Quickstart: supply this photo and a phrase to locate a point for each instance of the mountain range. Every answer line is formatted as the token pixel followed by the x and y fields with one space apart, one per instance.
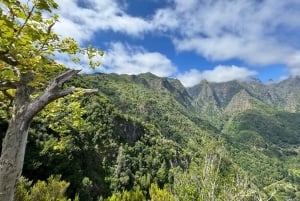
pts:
pixel 259 122
pixel 236 140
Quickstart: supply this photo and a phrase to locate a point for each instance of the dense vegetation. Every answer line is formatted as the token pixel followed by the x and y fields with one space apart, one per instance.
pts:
pixel 31 78
pixel 139 137
pixel 143 137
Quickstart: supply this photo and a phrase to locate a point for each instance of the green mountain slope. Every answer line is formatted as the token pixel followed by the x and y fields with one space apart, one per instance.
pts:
pixel 266 145
pixel 214 141
pixel 261 126
pixel 260 138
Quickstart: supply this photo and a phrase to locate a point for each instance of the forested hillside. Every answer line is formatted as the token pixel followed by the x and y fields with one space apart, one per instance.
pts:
pixel 142 137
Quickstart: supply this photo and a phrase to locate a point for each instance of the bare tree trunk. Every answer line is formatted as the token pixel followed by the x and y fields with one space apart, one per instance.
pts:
pixel 12 156
pixel 14 143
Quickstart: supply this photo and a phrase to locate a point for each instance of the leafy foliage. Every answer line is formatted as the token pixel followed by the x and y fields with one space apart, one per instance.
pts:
pixel 133 195
pixel 31 78
pixel 52 190
pixel 264 144
pixel 158 194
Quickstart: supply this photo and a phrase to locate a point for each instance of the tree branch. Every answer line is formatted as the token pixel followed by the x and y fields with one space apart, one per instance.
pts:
pixel 48 33
pixel 66 92
pixel 24 24
pixel 8 85
pixel 7 58
pixel 52 92
pixel 58 81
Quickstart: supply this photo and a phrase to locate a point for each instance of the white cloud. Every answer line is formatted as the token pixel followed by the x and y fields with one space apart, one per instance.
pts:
pixel 124 59
pixel 257 32
pixel 218 74
pixel 190 78
pixel 81 23
pixel 229 47
pixel 165 20
pixel 294 63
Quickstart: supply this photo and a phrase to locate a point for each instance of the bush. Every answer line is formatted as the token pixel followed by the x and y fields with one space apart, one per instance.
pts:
pixel 51 190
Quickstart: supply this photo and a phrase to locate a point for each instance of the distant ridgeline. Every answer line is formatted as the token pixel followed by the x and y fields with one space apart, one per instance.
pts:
pixel 143 137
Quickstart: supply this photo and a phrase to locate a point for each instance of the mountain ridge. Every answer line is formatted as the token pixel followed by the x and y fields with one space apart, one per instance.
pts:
pixel 143 129
pixel 282 96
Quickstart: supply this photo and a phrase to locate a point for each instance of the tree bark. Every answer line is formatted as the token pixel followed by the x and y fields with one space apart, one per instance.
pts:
pixel 12 156
pixel 14 143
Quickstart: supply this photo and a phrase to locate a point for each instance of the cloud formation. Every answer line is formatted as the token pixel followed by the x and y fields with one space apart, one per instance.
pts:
pixel 82 20
pixel 259 33
pixel 256 32
pixel 218 74
pixel 125 59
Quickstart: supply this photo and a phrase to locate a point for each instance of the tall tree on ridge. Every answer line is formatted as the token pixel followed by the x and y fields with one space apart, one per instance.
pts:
pixel 30 78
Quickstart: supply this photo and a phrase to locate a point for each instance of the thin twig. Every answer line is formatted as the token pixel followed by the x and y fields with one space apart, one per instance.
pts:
pixel 25 22
pixel 48 33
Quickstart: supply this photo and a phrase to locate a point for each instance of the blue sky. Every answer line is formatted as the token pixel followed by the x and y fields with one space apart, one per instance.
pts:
pixel 191 40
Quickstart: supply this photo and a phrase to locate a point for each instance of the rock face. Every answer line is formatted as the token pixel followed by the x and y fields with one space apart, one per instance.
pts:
pixel 235 96
pixel 241 101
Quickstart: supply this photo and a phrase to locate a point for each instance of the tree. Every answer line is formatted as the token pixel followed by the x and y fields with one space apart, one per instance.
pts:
pixel 133 195
pixel 158 194
pixel 30 78
pixel 51 190
pixel 215 177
